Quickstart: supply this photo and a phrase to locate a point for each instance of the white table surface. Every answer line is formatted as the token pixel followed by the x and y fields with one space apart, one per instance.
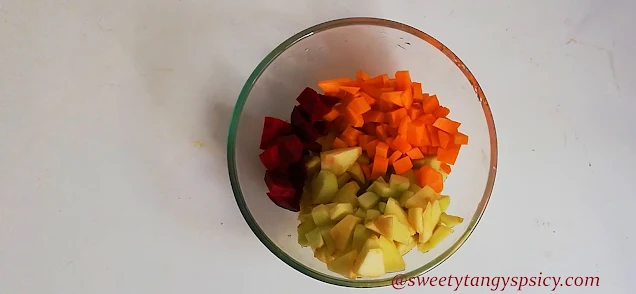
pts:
pixel 114 116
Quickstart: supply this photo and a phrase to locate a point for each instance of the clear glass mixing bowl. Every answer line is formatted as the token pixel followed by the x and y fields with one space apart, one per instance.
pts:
pixel 340 48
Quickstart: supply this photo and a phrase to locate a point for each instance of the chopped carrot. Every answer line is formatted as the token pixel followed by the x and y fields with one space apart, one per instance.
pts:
pixel 338 143
pixel 427 119
pixel 353 118
pixel 417 91
pixel 445 167
pixel 404 126
pixel 369 128
pixel 414 113
pixel 362 76
pixel 415 153
pixel 441 111
pixel 350 136
pixel 395 156
pixel 444 139
pixel 373 116
pixel 400 143
pixel 389 141
pixel 371 147
pixel 363 140
pixel 359 105
pixel 381 131
pixel 402 165
pixel 449 154
pixel 446 125
pixel 382 150
pixel 394 117
pixel 370 100
pixel 333 85
pixel 394 97
pixel 392 131
pixel 460 139
pixel 392 84
pixel 430 104
pixel 333 114
pixel 407 97
pixel 432 178
pixel 350 90
pixel 378 81
pixel 432 132
pixel 366 169
pixel 432 150
pixel 416 135
pixel 380 166
pixel 402 80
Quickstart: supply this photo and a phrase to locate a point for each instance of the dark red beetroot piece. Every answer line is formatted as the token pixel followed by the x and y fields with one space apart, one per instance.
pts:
pixel 290 149
pixel 329 101
pixel 282 192
pixel 272 129
pixel 302 126
pixel 310 102
pixel 270 158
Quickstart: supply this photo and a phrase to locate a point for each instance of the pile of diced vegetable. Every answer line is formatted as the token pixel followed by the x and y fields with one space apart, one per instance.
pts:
pixel 364 165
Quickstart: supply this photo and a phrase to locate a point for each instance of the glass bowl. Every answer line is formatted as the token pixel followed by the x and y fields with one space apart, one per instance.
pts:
pixel 340 48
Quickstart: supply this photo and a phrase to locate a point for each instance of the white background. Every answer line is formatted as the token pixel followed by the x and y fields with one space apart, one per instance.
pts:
pixel 114 116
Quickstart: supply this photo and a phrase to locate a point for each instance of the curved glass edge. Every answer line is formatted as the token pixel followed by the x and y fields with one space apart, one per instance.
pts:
pixel 242 98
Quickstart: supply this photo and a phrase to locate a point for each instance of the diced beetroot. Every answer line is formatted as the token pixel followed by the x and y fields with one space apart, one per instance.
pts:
pixel 302 127
pixel 290 149
pixel 298 175
pixel 329 101
pixel 285 202
pixel 310 102
pixel 272 129
pixel 279 184
pixel 270 157
pixel 321 127
pixel 282 192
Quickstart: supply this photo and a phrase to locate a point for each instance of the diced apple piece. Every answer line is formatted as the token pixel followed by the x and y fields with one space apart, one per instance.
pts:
pixel 323 255
pixel 429 160
pixel 441 232
pixel 399 183
pixel 344 264
pixel 427 224
pixel 357 174
pixel 411 176
pixel 414 187
pixel 405 248
pixel 342 232
pixel 368 200
pixel 302 229
pixel 392 228
pixel 393 261
pixel 415 218
pixel 371 226
pixel 305 218
pixel 347 194
pixel 338 161
pixel 394 208
pixel 361 213
pixel 343 179
pixel 430 218
pixel 312 165
pixel 339 211
pixel 326 141
pixel 329 242
pixel 444 202
pixel 360 235
pixel 364 159
pixel 450 220
pixel 406 195
pixel 381 206
pixel 324 187
pixel 428 193
pixel 382 189
pixel 320 215
pixel 306 203
pixel 314 238
pixel 372 214
pixel 370 261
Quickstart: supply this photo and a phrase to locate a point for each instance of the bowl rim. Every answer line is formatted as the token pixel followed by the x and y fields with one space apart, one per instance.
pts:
pixel 236 189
